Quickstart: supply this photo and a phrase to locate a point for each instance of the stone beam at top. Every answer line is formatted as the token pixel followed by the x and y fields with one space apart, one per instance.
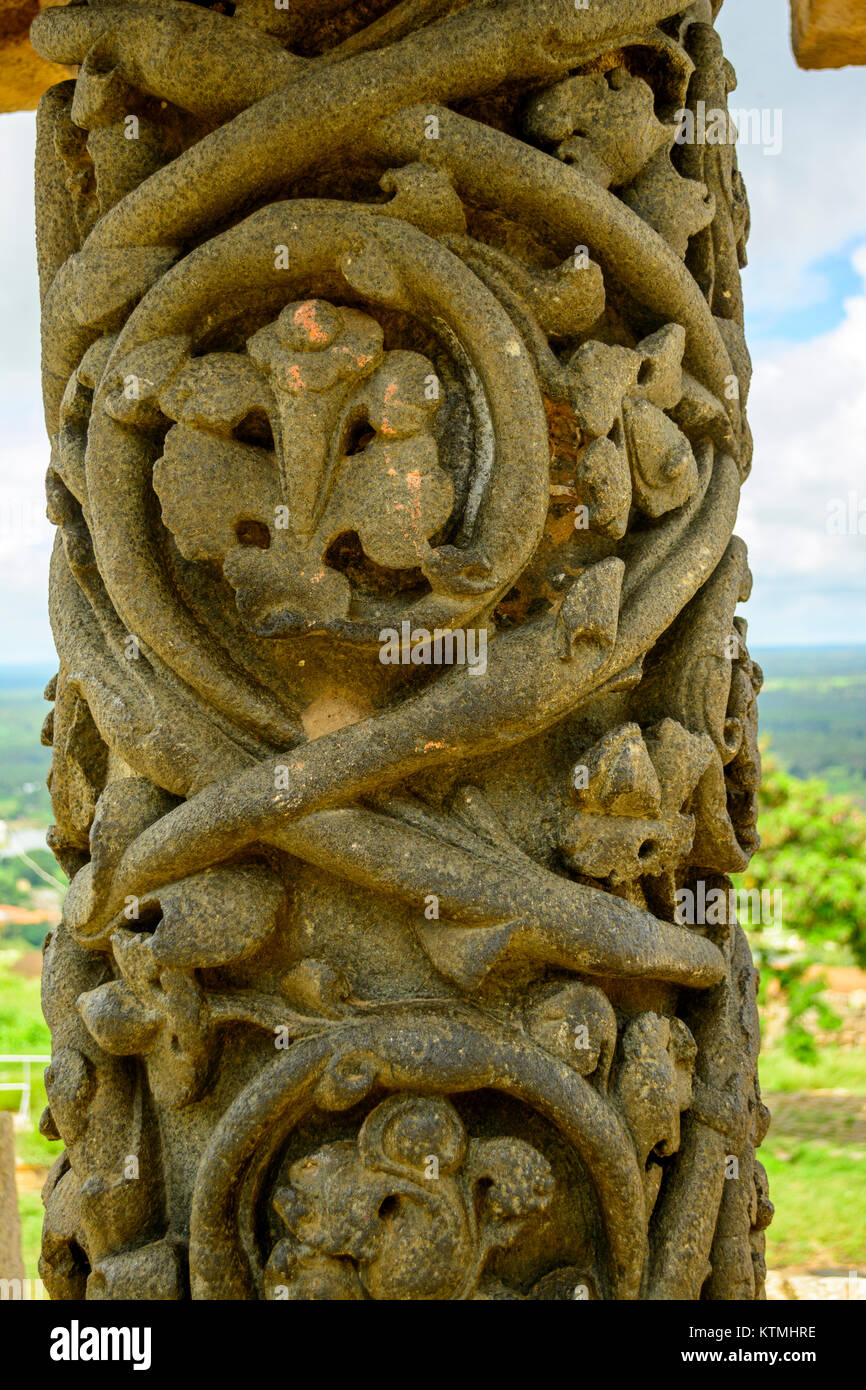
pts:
pixel 829 33
pixel 24 76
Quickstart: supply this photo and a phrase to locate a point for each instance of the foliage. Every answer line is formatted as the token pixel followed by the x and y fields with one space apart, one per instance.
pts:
pixel 22 1027
pixel 836 1069
pixel 22 885
pixel 813 849
pixel 18 877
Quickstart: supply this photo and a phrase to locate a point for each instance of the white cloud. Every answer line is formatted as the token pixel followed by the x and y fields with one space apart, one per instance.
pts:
pixel 808 414
pixel 808 404
pixel 19 293
pixel 25 534
pixel 25 547
pixel 809 201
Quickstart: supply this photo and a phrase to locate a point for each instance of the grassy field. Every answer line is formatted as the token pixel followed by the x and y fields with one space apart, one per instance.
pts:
pixel 23 1030
pixel 815 1156
pixel 30 1211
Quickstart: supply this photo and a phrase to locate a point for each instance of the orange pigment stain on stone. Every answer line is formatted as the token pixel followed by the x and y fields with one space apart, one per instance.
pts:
pixel 390 392
pixel 360 359
pixel 305 317
pixel 413 483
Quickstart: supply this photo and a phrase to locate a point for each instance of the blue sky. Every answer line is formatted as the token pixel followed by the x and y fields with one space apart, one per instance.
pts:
pixel 799 320
pixel 805 293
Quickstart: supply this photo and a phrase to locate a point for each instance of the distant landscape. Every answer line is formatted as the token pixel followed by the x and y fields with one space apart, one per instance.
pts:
pixel 813 713
pixel 24 762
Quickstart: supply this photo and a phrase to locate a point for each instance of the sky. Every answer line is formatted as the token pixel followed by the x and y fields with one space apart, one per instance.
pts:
pixel 805 290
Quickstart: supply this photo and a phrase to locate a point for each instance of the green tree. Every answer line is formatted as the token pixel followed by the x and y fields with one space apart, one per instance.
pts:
pixel 813 848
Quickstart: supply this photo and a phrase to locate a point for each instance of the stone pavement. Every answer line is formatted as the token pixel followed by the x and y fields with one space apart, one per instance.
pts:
pixel 808 1286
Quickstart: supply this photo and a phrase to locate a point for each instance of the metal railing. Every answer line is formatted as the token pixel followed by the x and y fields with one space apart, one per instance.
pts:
pixel 25 1061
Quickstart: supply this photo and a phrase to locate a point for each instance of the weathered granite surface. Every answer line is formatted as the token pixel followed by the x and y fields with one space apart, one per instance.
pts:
pixel 825 34
pixel 395 376
pixel 829 33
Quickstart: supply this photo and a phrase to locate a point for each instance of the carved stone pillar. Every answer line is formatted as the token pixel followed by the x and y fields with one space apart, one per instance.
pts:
pixel 404 732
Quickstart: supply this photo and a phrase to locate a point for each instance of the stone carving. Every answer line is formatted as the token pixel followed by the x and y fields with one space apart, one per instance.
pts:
pixel 396 452
pixel 409 1183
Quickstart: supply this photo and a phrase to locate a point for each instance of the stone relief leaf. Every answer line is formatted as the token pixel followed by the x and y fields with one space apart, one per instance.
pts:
pixel 605 123
pixel 271 516
pixel 118 1020
pixel 208 486
pixel 677 208
pixel 216 391
pixel 663 466
pixel 413 1171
